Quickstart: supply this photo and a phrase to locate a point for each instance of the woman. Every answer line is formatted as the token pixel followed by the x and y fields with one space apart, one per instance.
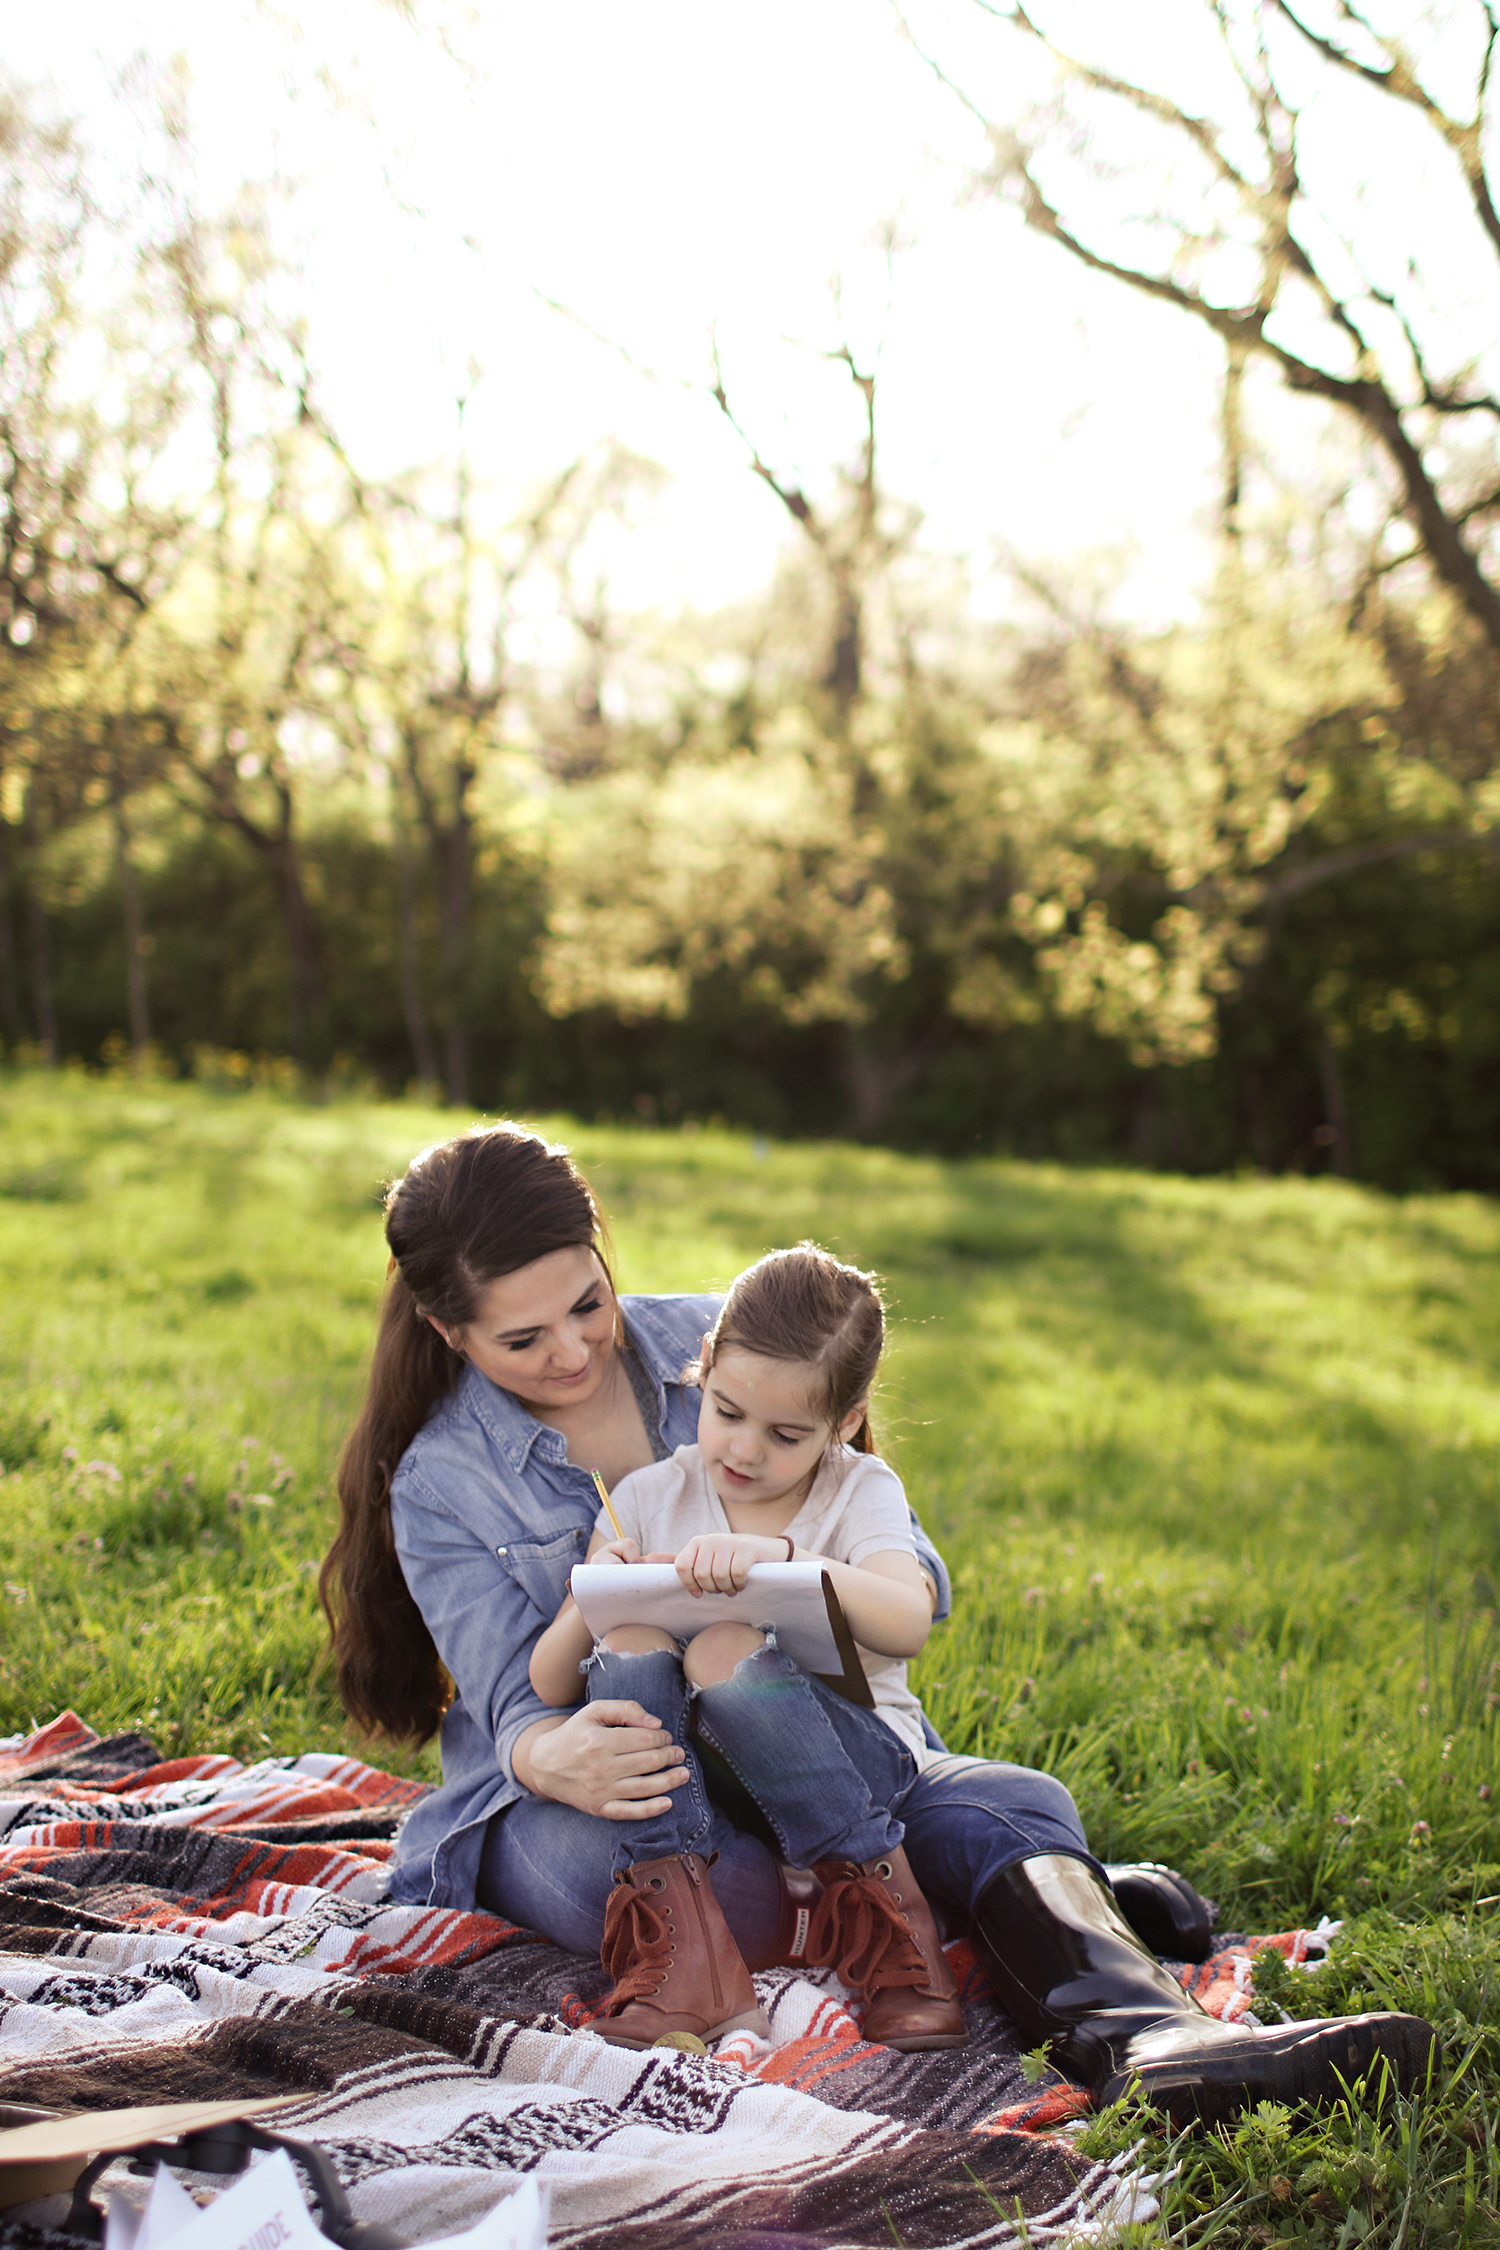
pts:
pixel 505 1370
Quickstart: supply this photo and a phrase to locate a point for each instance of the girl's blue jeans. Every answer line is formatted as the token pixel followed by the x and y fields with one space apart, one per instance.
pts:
pixel 830 1779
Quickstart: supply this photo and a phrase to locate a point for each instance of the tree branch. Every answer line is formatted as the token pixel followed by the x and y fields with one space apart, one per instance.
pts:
pixel 1353 858
pixel 1445 401
pixel 1364 394
pixel 792 497
pixel 1465 137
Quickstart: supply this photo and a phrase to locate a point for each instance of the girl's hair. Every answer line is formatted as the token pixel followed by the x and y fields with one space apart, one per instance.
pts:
pixel 466 1212
pixel 803 1305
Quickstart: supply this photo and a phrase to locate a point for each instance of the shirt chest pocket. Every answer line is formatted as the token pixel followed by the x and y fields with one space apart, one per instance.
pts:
pixel 540 1567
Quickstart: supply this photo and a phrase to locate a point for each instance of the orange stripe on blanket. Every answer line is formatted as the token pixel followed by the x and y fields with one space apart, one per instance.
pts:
pixel 58 1739
pixel 1051 2107
pixel 208 1768
pixel 804 2062
pixel 446 1949
pixel 271 1804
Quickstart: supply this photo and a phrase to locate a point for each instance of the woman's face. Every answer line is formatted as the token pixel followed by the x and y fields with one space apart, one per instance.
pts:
pixel 546 1331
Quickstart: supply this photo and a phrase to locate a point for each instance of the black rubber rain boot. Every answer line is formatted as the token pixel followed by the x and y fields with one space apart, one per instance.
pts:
pixel 1164 1910
pixel 1069 1968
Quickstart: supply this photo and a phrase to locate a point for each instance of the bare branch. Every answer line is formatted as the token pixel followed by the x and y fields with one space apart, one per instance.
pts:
pixel 1353 858
pixel 792 497
pixel 1443 399
pixel 1365 393
pixel 613 344
pixel 1464 136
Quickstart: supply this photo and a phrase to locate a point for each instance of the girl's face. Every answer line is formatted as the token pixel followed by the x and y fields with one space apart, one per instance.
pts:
pixel 761 1441
pixel 544 1332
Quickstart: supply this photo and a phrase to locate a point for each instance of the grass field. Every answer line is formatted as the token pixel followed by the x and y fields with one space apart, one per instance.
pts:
pixel 1215 1464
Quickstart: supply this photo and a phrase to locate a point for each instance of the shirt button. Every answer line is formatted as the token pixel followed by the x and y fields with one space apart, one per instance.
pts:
pixel 500 1550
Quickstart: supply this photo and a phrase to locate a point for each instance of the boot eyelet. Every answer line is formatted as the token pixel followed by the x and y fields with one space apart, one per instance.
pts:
pixel 656 1884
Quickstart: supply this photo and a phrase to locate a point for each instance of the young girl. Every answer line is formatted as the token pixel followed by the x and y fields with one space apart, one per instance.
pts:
pixel 784 1469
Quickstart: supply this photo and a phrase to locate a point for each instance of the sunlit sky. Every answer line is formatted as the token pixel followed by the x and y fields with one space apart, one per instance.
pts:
pixel 668 169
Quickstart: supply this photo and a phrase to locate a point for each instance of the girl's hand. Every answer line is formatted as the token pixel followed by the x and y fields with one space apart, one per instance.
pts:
pixel 618 1551
pixel 611 1759
pixel 718 1562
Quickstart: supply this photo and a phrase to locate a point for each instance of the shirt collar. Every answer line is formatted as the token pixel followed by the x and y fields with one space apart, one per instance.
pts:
pixel 517 1431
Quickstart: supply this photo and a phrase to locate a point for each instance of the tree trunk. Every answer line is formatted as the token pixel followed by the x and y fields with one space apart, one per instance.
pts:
pixel 1232 440
pixel 454 862
pixel 134 920
pixel 876 1075
pixel 305 998
pixel 845 674
pixel 41 980
pixel 411 980
pixel 1335 1130
pixel 10 993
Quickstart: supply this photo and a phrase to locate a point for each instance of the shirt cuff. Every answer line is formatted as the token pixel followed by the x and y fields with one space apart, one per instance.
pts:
pixel 931 1561
pixel 518 1717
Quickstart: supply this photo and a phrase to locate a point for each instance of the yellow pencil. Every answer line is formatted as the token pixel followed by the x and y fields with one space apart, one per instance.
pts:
pixel 604 1496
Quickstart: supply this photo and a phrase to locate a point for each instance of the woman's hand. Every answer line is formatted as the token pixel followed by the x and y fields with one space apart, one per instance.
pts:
pixel 612 1759
pixel 718 1562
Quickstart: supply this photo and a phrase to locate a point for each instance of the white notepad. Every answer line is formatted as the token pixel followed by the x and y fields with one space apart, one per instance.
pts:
pixel 796 1597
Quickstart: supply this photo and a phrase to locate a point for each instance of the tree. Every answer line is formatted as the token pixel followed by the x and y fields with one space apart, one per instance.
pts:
pixel 88 544
pixel 426 672
pixel 854 534
pixel 1239 242
pixel 853 879
pixel 258 619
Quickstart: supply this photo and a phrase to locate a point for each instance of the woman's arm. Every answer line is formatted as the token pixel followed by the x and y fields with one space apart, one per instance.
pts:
pixel 884 1597
pixel 612 1758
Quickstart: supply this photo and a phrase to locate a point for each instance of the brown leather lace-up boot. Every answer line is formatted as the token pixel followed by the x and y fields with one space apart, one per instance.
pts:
pixel 875 1928
pixel 676 1968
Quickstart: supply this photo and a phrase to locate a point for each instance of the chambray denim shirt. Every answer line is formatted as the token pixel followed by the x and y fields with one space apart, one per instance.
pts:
pixel 489 1518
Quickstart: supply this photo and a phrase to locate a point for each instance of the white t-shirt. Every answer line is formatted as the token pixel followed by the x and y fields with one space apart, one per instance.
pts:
pixel 856 1507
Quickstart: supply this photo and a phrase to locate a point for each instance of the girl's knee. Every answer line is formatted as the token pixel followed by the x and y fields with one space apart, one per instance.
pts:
pixel 712 1655
pixel 636 1640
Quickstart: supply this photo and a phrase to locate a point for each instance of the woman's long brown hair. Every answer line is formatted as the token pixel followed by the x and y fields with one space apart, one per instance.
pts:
pixel 466 1212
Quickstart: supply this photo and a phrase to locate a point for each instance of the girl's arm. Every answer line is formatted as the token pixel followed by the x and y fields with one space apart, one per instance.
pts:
pixel 884 1597
pixel 567 1640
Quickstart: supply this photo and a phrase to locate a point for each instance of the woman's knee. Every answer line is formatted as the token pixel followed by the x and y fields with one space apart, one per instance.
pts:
pixel 636 1640
pixel 712 1655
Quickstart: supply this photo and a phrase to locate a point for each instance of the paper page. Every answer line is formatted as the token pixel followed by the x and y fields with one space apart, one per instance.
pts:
pixel 788 1595
pixel 122 2224
pixel 519 2222
pixel 265 2210
pixel 169 2212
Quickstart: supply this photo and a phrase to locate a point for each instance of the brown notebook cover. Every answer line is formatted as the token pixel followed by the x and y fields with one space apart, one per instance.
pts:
pixel 851 1682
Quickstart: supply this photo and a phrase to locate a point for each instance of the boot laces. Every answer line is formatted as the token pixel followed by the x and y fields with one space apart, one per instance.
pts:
pixel 860 1931
pixel 638 1945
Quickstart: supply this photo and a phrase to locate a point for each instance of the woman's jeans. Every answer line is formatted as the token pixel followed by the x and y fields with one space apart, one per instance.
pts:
pixel 831 1780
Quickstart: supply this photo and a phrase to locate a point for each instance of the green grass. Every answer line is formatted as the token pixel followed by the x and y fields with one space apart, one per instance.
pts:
pixel 1215 1464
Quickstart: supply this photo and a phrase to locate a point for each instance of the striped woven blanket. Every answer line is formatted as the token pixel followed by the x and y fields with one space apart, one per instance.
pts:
pixel 199 1929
